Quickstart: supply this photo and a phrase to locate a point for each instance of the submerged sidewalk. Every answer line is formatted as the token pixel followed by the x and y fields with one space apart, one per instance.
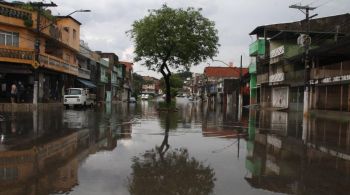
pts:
pixel 27 107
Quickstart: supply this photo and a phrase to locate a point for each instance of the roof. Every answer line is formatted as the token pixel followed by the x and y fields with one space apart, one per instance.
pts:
pixel 70 17
pixel 320 25
pixel 218 71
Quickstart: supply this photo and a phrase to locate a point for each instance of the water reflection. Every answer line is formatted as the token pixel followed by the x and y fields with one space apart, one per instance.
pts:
pixel 164 171
pixel 41 151
pixel 280 159
pixel 122 149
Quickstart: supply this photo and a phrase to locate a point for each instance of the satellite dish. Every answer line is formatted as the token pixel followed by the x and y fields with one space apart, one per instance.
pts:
pixel 304 40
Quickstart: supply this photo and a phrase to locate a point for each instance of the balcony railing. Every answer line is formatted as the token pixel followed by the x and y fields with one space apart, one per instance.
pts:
pixel 257 48
pixel 84 73
pixel 252 65
pixel 262 78
pixel 22 18
pixel 57 64
pixel 16 55
pixel 339 69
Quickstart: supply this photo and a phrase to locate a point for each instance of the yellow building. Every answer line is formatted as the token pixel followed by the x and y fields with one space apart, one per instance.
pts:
pixel 59 46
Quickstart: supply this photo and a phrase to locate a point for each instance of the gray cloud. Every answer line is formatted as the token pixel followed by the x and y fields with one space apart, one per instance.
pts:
pixel 104 28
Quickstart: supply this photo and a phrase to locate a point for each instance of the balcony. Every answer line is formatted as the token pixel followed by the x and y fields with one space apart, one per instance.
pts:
pixel 84 73
pixel 16 55
pixel 257 48
pixel 15 16
pixel 331 71
pixel 262 78
pixel 57 64
pixel 252 66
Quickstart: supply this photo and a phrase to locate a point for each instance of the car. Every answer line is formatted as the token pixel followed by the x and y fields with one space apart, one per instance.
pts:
pixel 79 97
pixel 132 100
pixel 144 96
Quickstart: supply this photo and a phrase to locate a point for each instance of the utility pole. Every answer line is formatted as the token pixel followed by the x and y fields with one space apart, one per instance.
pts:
pixel 306 42
pixel 239 95
pixel 39 7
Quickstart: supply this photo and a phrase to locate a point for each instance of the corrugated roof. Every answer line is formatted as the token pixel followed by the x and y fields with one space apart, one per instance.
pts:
pixel 211 71
pixel 321 25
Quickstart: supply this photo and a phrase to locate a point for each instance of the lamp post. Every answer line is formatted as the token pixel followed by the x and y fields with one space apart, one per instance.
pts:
pixel 37 45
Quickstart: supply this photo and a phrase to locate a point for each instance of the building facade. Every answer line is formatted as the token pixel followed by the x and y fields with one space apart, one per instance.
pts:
pixel 278 64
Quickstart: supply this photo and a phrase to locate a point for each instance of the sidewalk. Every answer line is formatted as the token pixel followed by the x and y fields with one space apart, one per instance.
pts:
pixel 27 107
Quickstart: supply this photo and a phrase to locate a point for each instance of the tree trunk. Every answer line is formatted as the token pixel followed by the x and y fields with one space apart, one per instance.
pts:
pixel 168 92
pixel 166 77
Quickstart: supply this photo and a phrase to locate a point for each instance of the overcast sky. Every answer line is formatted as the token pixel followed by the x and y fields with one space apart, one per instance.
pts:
pixel 104 28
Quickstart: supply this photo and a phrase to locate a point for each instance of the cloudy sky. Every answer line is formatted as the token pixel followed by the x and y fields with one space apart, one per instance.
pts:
pixel 104 28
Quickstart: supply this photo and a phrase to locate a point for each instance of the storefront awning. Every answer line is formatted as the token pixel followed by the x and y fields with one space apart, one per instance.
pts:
pixel 87 83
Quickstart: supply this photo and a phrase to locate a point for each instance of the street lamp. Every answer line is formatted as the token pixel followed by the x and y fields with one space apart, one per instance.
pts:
pixel 79 10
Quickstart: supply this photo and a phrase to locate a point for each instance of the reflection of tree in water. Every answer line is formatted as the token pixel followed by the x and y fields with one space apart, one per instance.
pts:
pixel 163 171
pixel 172 173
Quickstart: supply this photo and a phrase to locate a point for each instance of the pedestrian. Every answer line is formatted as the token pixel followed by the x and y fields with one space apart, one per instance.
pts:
pixel 13 93
pixel 20 92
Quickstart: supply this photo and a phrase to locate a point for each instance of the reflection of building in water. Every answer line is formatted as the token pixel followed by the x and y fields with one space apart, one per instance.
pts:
pixel 220 123
pixel 41 167
pixel 50 164
pixel 286 163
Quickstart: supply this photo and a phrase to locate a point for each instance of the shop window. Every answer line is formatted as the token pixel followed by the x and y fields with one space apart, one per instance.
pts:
pixel 9 38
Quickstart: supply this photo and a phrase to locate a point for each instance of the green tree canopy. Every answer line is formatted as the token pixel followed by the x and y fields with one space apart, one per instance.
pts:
pixel 170 38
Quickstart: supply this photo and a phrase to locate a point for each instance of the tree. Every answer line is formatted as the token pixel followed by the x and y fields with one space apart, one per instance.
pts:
pixel 170 38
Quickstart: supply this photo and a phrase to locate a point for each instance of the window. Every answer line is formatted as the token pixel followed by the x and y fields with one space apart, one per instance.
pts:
pixel 67 58
pixel 9 38
pixel 74 92
pixel 74 34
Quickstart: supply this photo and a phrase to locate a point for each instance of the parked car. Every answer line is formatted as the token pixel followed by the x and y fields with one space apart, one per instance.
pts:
pixel 132 100
pixel 144 97
pixel 79 97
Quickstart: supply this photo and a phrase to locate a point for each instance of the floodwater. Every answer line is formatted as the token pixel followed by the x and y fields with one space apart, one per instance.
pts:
pixel 133 149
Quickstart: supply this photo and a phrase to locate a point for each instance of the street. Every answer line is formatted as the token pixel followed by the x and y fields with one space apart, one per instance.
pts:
pixel 134 149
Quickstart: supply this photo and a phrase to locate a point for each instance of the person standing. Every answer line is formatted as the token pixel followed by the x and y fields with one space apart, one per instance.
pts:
pixel 13 93
pixel 20 92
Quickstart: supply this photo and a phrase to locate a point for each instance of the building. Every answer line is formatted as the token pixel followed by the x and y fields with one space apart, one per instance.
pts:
pixel 223 82
pixel 128 80
pixel 113 85
pixel 278 64
pixel 57 64
pixel 151 85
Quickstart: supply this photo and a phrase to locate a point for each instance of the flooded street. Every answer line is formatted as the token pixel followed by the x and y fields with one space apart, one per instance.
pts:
pixel 133 149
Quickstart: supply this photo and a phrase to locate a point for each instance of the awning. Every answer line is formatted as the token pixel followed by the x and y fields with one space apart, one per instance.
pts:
pixel 87 83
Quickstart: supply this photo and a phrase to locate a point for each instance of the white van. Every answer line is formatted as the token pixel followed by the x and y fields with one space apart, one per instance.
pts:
pixel 79 97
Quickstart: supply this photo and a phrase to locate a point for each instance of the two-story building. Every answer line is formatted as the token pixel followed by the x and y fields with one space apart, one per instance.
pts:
pixel 57 64
pixel 222 82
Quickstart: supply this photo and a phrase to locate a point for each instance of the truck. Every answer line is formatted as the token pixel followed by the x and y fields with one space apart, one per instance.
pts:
pixel 79 97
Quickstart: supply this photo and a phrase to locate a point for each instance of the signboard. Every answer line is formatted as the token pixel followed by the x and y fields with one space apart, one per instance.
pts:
pixel 331 80
pixel 277 52
pixel 278 77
